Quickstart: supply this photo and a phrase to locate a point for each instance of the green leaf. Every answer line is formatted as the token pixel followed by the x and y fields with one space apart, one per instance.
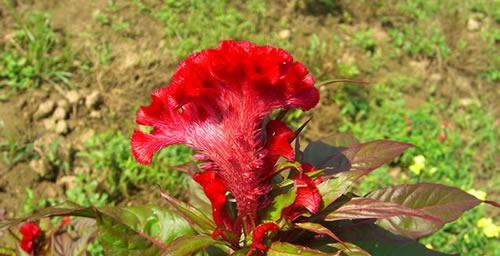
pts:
pixel 368 208
pixel 124 231
pixel 349 249
pixel 280 202
pixel 187 245
pixel 139 230
pixel 379 242
pixel 333 188
pixel 444 202
pixel 198 219
pixel 287 249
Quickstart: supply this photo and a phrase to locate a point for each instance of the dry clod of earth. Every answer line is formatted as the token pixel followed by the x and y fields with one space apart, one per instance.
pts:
pixel 95 114
pixel 44 110
pixel 60 114
pixel 63 104
pixel 67 182
pixel 435 78
pixel 49 123
pixel 73 97
pixel 93 100
pixel 42 168
pixel 473 24
pixel 284 34
pixel 62 127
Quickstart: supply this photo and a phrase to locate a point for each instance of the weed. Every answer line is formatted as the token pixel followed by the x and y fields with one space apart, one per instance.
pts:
pixel 109 155
pixel 14 152
pixel 194 25
pixel 364 39
pixel 35 54
pixel 417 41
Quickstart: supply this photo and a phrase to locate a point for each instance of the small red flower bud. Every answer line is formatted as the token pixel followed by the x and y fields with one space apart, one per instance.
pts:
pixel 31 232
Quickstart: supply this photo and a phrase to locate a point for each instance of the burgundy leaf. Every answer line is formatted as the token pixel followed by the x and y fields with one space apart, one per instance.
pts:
pixel 319 229
pixel 444 202
pixel 368 208
pixel 344 155
pixel 367 157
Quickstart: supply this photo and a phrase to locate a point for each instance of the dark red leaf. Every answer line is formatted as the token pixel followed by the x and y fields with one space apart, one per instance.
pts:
pixel 318 229
pixel 368 208
pixel 444 202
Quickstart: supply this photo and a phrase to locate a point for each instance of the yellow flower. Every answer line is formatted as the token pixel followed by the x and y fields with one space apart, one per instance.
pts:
pixel 418 164
pixel 489 228
pixel 429 246
pixel 479 194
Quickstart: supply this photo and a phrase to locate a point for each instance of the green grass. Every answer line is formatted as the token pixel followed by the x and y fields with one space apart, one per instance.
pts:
pixel 13 152
pixel 35 53
pixel 193 25
pixel 108 155
pixel 467 152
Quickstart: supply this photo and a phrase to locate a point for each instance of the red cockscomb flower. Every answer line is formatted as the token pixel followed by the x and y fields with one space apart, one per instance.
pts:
pixel 216 103
pixel 31 232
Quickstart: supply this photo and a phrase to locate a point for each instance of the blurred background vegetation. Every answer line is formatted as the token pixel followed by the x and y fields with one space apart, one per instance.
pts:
pixel 73 73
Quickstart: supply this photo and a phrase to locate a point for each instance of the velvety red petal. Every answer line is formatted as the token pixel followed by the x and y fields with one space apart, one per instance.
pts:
pixel 259 234
pixel 30 231
pixel 216 192
pixel 308 198
pixel 145 145
pixel 27 245
pixel 279 138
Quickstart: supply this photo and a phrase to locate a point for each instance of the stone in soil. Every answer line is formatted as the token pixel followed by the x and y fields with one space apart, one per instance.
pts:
pixel 284 34
pixel 473 24
pixel 62 127
pixel 63 104
pixel 60 113
pixel 93 100
pixel 95 114
pixel 49 123
pixel 73 97
pixel 42 168
pixel 44 109
pixel 67 182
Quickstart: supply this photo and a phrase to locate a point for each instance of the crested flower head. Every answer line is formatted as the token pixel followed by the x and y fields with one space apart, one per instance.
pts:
pixel 216 103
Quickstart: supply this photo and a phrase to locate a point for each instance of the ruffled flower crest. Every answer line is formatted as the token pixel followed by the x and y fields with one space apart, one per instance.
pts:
pixel 216 103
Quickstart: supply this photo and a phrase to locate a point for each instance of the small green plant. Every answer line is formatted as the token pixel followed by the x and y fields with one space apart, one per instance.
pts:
pixel 364 39
pixel 35 54
pixel 194 25
pixel 416 41
pixel 13 152
pixel 109 153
